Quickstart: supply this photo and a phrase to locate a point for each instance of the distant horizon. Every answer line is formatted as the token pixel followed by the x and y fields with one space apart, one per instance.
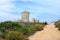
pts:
pixel 43 10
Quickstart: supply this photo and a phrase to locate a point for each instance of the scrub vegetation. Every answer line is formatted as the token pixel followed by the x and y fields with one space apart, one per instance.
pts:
pixel 18 30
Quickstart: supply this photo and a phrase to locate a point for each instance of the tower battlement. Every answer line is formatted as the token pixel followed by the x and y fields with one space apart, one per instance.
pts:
pixel 25 16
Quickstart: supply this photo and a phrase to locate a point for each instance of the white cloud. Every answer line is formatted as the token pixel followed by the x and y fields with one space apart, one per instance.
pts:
pixel 43 6
pixel 46 7
pixel 8 16
pixel 6 7
pixel 50 6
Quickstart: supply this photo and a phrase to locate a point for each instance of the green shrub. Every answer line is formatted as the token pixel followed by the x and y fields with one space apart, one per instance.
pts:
pixel 57 24
pixel 9 25
pixel 39 27
pixel 15 35
pixel 19 31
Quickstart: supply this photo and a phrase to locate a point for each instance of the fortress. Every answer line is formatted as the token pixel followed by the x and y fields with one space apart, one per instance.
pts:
pixel 25 17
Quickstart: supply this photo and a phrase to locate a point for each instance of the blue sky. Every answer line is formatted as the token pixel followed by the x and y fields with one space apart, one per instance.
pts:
pixel 43 10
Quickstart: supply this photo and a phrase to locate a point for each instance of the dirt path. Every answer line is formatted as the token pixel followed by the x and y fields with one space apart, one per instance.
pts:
pixel 49 33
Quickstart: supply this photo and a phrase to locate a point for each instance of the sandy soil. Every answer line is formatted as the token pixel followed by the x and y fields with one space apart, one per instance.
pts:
pixel 49 33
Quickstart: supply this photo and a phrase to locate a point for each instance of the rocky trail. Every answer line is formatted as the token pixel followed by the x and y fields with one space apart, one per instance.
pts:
pixel 49 33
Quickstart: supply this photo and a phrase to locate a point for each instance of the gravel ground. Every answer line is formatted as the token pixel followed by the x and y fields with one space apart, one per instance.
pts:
pixel 49 33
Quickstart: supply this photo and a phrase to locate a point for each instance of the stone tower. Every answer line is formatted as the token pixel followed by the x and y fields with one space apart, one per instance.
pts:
pixel 25 16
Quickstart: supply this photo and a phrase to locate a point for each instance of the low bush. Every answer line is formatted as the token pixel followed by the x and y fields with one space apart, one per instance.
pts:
pixel 15 35
pixel 57 24
pixel 19 31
